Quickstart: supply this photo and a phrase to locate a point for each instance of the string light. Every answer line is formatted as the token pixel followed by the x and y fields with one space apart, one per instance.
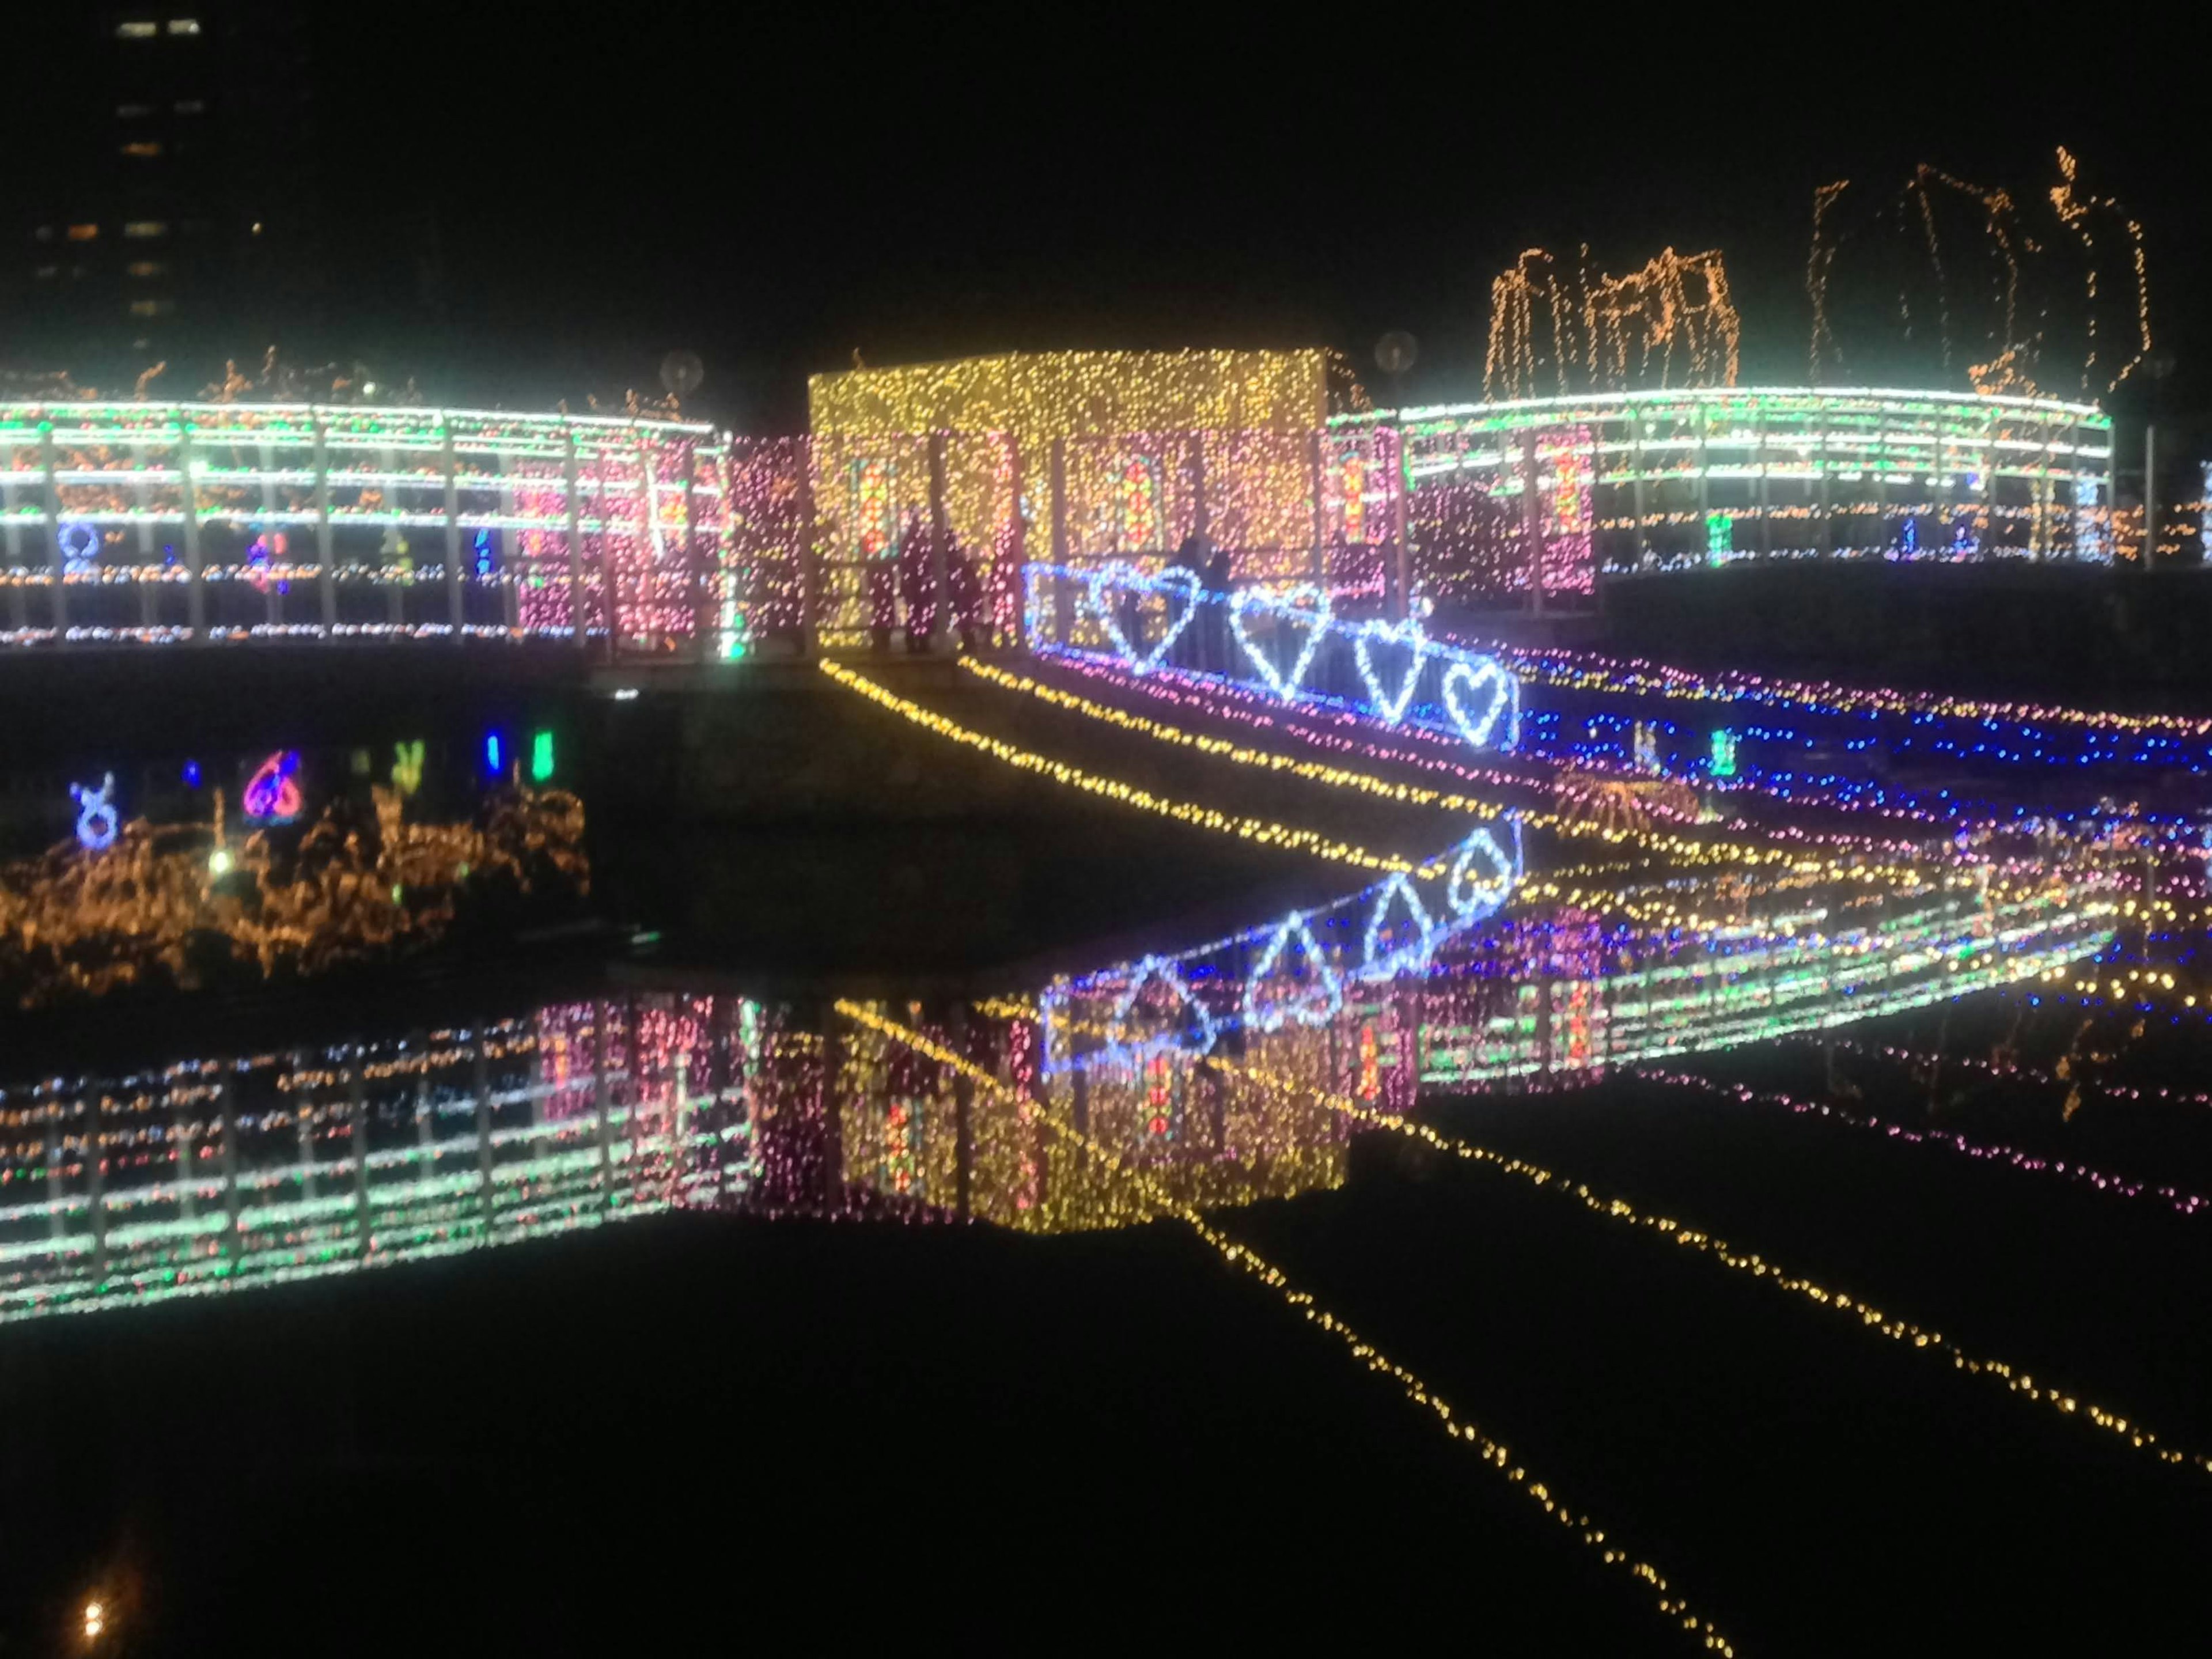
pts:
pixel 1493 1452
pixel 1856 1309
pixel 1258 830
pixel 2102 1180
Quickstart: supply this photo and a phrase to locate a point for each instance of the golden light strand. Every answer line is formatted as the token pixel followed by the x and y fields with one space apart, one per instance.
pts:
pixel 1869 1318
pixel 1260 830
pixel 1492 1451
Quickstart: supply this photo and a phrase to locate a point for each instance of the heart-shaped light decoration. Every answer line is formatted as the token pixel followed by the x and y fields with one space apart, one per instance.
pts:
pixel 1470 677
pixel 1177 580
pixel 1393 706
pixel 1495 874
pixel 1407 958
pixel 1291 603
pixel 1316 1003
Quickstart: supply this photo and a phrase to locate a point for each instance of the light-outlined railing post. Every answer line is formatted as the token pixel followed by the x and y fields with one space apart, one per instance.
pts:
pixel 573 496
pixel 326 554
pixel 357 1109
pixel 53 505
pixel 188 498
pixel 1316 511
pixel 940 536
pixel 1532 519
pixel 701 581
pixel 456 610
pixel 1063 595
pixel 1401 605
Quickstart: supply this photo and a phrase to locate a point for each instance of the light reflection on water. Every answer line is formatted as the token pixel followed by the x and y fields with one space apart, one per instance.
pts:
pixel 217 1171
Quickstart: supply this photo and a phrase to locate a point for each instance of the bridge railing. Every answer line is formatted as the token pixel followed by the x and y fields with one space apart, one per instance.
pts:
pixel 162 522
pixel 1278 643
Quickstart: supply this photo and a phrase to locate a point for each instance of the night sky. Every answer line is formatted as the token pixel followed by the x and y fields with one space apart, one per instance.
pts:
pixel 533 202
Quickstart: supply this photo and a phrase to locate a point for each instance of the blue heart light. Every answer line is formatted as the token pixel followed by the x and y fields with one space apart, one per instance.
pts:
pixel 1290 604
pixel 1174 580
pixel 1474 674
pixel 1408 632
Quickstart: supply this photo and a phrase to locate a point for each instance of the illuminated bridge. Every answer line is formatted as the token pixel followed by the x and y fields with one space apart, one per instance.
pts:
pixel 642 537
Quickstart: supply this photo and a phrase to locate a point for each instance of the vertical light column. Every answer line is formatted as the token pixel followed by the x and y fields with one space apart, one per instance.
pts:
pixel 18 613
pixel 1063 613
pixel 357 1111
pixel 1317 513
pixel 481 1079
pixel 272 601
pixel 1766 499
pixel 1704 476
pixel 1636 461
pixel 573 496
pixel 1403 605
pixel 227 1099
pixel 1532 519
pixel 188 498
pixel 940 533
pixel 703 584
pixel 601 1091
pixel 53 505
pixel 324 555
pixel 148 612
pixel 456 613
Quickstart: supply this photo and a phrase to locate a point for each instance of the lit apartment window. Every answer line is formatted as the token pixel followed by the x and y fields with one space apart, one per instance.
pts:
pixel 147 268
pixel 145 147
pixel 152 307
pixel 85 233
pixel 191 107
pixel 137 31
pixel 139 230
pixel 184 26
pixel 132 112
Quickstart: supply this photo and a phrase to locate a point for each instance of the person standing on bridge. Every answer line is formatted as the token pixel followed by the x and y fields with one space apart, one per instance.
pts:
pixel 1217 608
pixel 966 590
pixel 917 584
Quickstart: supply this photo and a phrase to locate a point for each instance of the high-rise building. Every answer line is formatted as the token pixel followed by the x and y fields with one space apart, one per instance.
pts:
pixel 168 208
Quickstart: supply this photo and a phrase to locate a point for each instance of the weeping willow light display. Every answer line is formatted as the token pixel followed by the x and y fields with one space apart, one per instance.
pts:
pixel 1671 323
pixel 2013 304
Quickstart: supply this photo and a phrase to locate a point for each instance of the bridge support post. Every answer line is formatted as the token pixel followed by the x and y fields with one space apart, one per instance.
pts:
pixel 1704 478
pixel 227 1091
pixel 357 1109
pixel 601 1091
pixel 701 568
pixel 941 634
pixel 1765 512
pixel 1532 520
pixel 481 1080
pixel 575 542
pixel 1316 514
pixel 325 555
pixel 53 494
pixel 1063 595
pixel 1403 605
pixel 1636 460
pixel 188 494
pixel 963 1106
pixel 456 612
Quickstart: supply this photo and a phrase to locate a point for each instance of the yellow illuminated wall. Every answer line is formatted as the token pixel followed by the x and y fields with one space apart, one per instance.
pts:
pixel 1137 432
pixel 1040 396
